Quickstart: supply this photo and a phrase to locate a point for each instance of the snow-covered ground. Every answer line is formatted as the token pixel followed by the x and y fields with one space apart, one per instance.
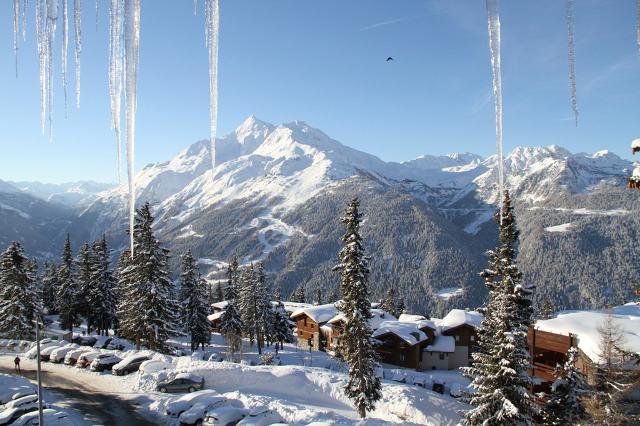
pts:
pixel 564 227
pixel 449 292
pixel 302 387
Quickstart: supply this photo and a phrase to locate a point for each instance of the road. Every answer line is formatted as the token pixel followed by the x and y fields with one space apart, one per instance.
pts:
pixel 97 408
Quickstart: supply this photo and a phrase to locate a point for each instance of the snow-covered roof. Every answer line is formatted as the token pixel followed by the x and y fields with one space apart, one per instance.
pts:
pixel 635 143
pixel 294 306
pixel 585 324
pixel 319 313
pixel 215 316
pixel 407 331
pixel 410 318
pixel 220 305
pixel 378 317
pixel 458 317
pixel 442 344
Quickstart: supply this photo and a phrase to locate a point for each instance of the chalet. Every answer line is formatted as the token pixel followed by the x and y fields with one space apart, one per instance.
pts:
pixel 312 329
pixel 401 343
pixel 549 340
pixel 219 306
pixel 461 325
pixel 214 319
pixel 337 324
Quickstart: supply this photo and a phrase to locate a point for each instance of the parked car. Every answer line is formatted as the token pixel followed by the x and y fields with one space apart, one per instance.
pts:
pixel 114 344
pixel 129 364
pixel 11 392
pixel 262 418
pixel 72 356
pixel 33 352
pixel 181 404
pixel 183 382
pixel 153 366
pixel 10 415
pixel 224 416
pixel 85 359
pixel 58 354
pixel 21 401
pixel 196 414
pixel 84 340
pixel 50 417
pixel 104 362
pixel 46 352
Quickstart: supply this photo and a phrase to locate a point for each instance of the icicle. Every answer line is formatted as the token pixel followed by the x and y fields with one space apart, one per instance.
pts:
pixel 493 13
pixel 572 58
pixel 115 72
pixel 212 19
pixel 41 19
pixel 24 20
pixel 52 20
pixel 77 19
pixel 97 13
pixel 131 48
pixel 65 45
pixel 195 7
pixel 16 30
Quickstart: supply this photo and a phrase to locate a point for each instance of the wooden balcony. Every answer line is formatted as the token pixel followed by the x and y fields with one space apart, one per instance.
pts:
pixel 543 371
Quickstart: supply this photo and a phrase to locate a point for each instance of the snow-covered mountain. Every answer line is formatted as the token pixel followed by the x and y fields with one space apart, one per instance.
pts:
pixel 276 192
pixel 71 194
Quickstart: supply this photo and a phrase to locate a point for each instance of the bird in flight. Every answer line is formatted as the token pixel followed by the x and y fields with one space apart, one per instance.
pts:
pixel 389 59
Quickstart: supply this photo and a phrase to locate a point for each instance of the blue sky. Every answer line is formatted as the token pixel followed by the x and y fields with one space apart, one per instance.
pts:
pixel 324 62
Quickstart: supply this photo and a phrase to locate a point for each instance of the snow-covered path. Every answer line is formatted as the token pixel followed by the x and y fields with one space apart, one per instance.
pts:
pixel 88 397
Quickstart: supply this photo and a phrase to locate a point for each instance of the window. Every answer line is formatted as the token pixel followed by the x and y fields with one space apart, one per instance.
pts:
pixel 441 356
pixel 472 338
pixel 402 357
pixel 457 338
pixel 305 321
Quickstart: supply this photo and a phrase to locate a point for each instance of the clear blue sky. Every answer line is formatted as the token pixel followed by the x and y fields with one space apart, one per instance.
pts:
pixel 324 62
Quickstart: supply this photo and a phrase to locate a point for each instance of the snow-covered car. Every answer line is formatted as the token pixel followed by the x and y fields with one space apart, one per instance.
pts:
pixel 225 416
pixel 196 414
pixel 14 387
pixel 154 366
pixel 10 415
pixel 129 364
pixel 261 418
pixel 49 416
pixel 33 352
pixel 72 356
pixel 46 352
pixel 104 362
pixel 85 340
pixel 58 354
pixel 456 390
pixel 21 401
pixel 114 344
pixel 183 382
pixel 181 404
pixel 85 359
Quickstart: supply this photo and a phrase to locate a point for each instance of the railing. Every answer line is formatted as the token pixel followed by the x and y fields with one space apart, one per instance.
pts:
pixel 544 371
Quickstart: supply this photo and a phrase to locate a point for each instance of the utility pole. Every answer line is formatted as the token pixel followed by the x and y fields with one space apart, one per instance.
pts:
pixel 39 373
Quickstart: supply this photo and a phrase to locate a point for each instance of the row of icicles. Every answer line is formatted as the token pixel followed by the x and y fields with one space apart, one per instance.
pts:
pixel 124 39
pixel 124 45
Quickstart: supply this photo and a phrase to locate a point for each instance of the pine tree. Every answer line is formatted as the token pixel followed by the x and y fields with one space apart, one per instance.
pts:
pixel 194 303
pixel 564 406
pixel 84 268
pixel 499 371
pixel 356 343
pixel 334 296
pixel 230 322
pixel 546 309
pixel 50 285
pixel 249 305
pixel 219 293
pixel 233 278
pixel 148 309
pixel 19 302
pixel 265 314
pixel 317 299
pixel 298 295
pixel 67 297
pixel 103 293
pixel 400 308
pixel 390 302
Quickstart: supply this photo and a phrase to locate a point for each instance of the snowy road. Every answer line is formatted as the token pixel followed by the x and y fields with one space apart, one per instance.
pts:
pixel 97 408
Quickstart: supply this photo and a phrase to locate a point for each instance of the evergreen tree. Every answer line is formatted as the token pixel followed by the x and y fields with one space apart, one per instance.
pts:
pixel 265 317
pixel 390 302
pixel 194 303
pixel 84 268
pixel 277 295
pixel 356 343
pixel 546 309
pixel 50 286
pixel 231 322
pixel 334 296
pixel 219 293
pixel 400 308
pixel 564 406
pixel 499 372
pixel 67 297
pixel 317 299
pixel 102 295
pixel 281 332
pixel 298 295
pixel 19 303
pixel 233 278
pixel 249 310
pixel 148 309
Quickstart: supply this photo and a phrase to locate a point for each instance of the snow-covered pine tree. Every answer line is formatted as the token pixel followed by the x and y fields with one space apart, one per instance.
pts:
pixel 103 293
pixel 298 295
pixel 281 332
pixel 84 268
pixel 122 276
pixel 233 279
pixel 231 322
pixel 389 303
pixel 265 315
pixel 18 299
pixel 356 343
pixel 546 309
pixel 317 298
pixel 334 296
pixel 194 302
pixel 499 372
pixel 219 293
pixel 148 309
pixel 249 303
pixel 400 307
pixel 67 297
pixel 564 406
pixel 50 285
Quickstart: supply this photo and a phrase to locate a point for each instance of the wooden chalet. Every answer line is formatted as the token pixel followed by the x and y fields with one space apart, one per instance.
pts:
pixel 311 325
pixel 402 343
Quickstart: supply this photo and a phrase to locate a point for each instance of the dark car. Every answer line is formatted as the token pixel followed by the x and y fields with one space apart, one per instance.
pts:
pixel 183 382
pixel 129 365
pixel 84 340
pixel 104 362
